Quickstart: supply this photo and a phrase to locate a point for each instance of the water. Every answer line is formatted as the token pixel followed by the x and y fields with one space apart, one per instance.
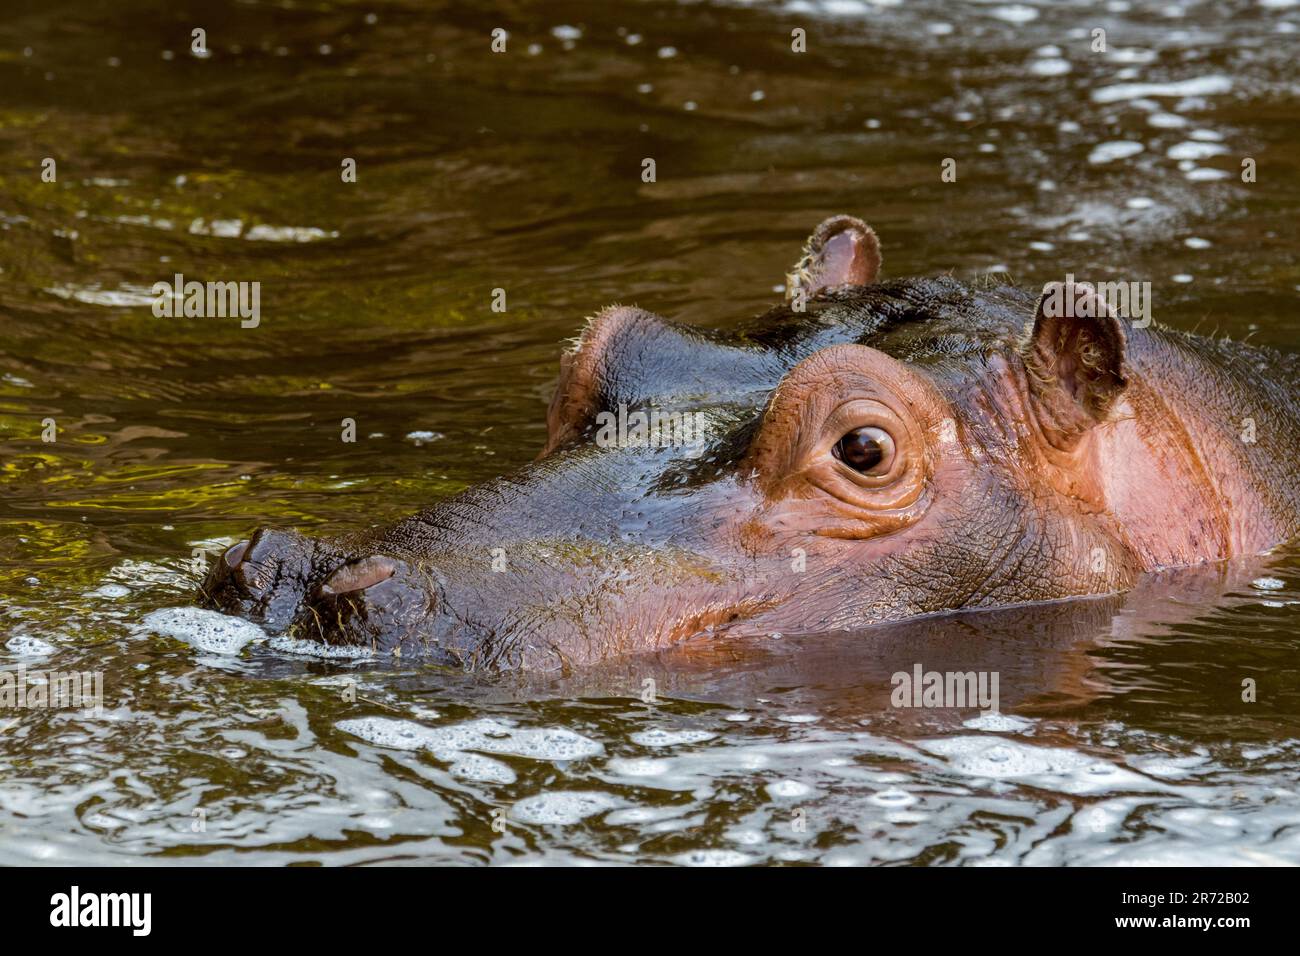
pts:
pixel 1123 737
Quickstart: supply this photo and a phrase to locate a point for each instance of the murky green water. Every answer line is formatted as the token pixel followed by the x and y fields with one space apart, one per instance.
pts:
pixel 1125 736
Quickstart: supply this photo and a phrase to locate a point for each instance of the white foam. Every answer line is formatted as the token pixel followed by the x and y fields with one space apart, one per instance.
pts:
pixel 788 789
pixel 1050 67
pixel 265 233
pixel 1165 766
pixel 670 738
pixel 642 815
pixel 563 807
pixel 208 631
pixel 1014 13
pixel 894 799
pixel 1052 768
pixel 127 297
pixel 714 858
pixel 25 645
pixel 1197 86
pixel 1117 149
pixel 110 591
pixel 482 769
pixel 1166 120
pixel 639 766
pixel 1192 149
pixel 998 723
pixel 462 746
pixel 1105 817
pixel 301 648
pixel 1132 55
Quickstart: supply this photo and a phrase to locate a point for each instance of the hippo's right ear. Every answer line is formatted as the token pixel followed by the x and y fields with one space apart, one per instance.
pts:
pixel 1075 357
pixel 841 251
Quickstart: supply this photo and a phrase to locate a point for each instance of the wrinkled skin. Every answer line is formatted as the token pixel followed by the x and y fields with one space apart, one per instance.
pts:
pixel 1026 456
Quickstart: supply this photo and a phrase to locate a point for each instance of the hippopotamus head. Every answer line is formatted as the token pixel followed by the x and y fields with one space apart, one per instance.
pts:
pixel 866 452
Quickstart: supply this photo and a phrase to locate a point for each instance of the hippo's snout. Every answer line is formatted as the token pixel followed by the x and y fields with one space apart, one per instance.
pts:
pixel 263 579
pixel 312 590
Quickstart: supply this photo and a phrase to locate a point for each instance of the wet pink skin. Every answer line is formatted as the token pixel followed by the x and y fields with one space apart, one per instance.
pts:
pixel 1017 455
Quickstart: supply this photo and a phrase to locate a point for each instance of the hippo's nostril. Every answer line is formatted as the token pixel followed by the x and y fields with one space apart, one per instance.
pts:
pixel 234 554
pixel 376 601
pixel 359 575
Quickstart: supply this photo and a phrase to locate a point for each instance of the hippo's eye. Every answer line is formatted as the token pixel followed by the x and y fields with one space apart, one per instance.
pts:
pixel 869 451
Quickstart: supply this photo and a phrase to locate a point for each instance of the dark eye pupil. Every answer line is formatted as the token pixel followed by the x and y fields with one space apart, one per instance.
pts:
pixel 860 449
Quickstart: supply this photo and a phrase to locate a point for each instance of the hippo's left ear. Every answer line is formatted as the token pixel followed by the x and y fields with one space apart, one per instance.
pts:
pixel 841 251
pixel 1075 357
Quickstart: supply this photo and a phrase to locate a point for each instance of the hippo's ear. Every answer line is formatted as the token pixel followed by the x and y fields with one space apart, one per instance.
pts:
pixel 1074 354
pixel 841 251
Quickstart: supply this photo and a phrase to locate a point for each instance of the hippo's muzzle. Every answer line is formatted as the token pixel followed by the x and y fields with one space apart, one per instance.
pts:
pixel 308 589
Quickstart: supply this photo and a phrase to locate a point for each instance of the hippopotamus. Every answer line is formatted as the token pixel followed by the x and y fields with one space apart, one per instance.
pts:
pixel 868 451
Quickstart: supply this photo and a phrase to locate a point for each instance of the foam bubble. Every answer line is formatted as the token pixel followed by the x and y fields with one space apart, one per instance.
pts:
pixel 1162 765
pixel 110 591
pixel 563 807
pixel 462 746
pixel 1049 67
pixel 894 799
pixel 1117 149
pixel 714 858
pixel 1014 13
pixel 1055 768
pixel 788 789
pixel 996 722
pixel 301 648
pixel 482 769
pixel 1132 55
pixel 1192 149
pixel 1198 86
pixel 264 233
pixel 670 738
pixel 208 631
pixel 639 766
pixel 25 645
pixel 1166 120
pixel 634 815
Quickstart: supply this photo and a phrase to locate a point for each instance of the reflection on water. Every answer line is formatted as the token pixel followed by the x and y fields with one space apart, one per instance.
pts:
pixel 1124 736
